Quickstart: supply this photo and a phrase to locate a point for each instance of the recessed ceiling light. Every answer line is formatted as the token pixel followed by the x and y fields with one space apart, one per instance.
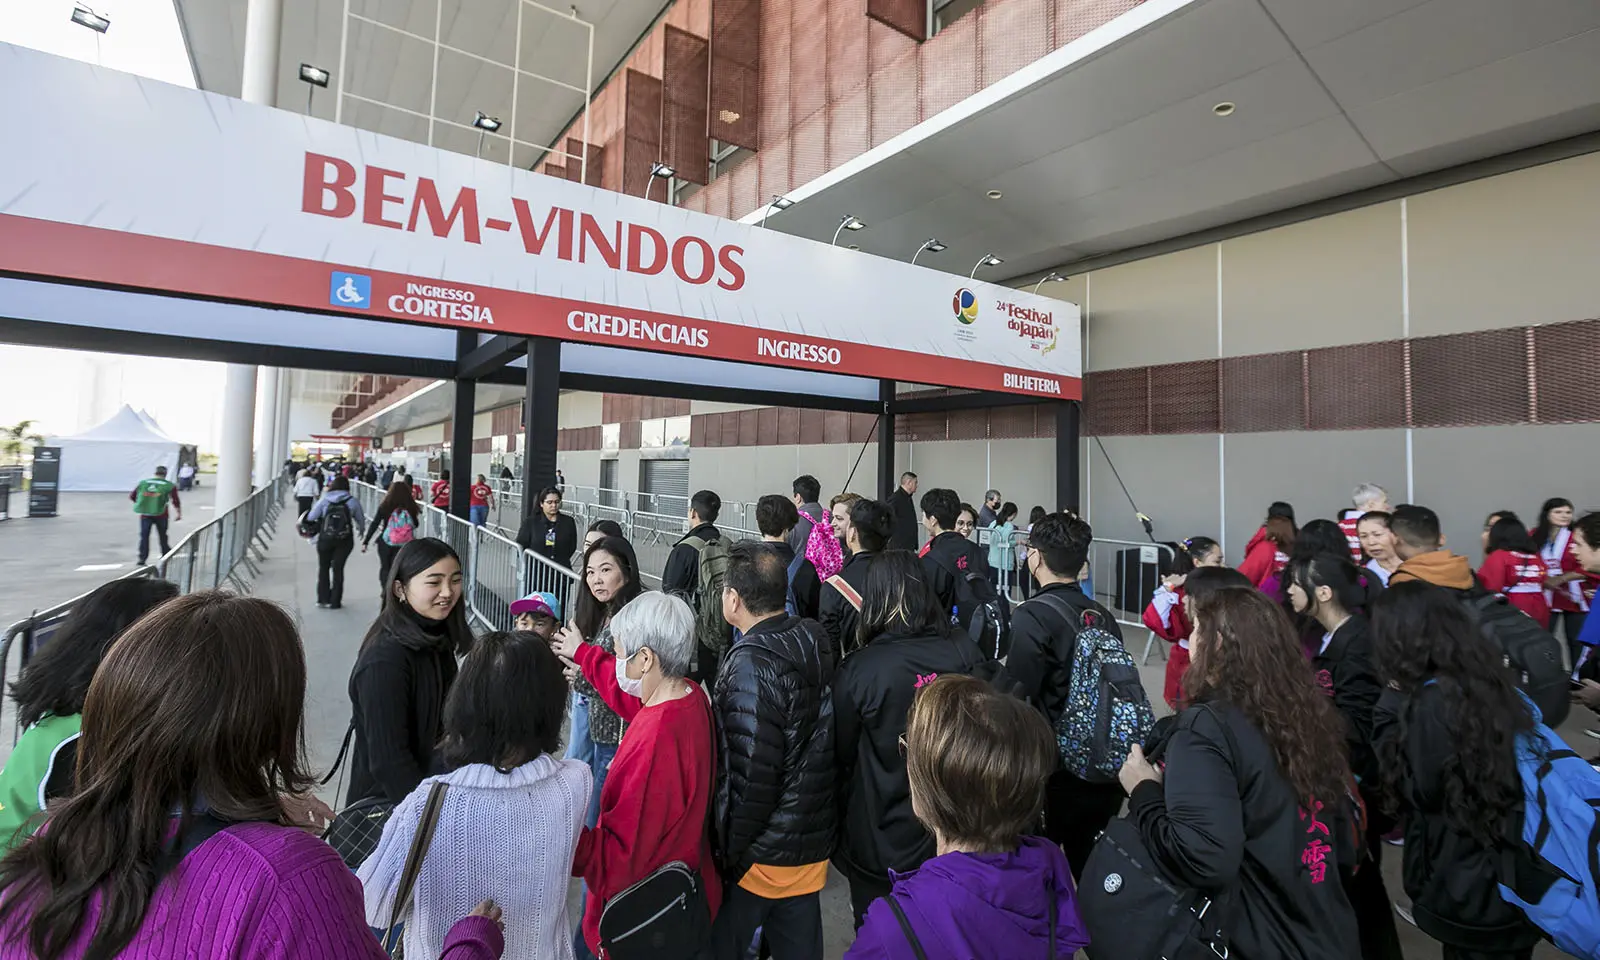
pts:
pixel 995 194
pixel 1223 109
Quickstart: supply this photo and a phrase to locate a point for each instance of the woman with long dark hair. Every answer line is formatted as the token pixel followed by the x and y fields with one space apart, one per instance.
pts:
pixel 1165 615
pixel 177 842
pixel 1446 731
pixel 1513 568
pixel 610 581
pixel 1568 588
pixel 1267 553
pixel 905 641
pixel 397 523
pixel 1331 592
pixel 1251 801
pixel 49 697
pixel 404 670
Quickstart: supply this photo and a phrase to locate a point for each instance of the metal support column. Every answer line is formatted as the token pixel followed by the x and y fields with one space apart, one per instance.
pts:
pixel 1068 413
pixel 887 478
pixel 461 431
pixel 540 417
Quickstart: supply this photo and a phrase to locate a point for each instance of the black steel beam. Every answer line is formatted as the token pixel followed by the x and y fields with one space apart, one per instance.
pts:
pixel 887 478
pixel 541 418
pixel 1068 415
pixel 461 431
pixel 492 355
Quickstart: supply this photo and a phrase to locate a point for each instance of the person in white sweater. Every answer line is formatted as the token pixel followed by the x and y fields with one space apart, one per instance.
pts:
pixel 511 814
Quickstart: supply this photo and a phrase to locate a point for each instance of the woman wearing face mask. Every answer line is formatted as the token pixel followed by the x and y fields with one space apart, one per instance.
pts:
pixel 653 805
pixel 1377 544
pixel 404 671
pixel 610 582
pixel 1568 588
pixel 1329 590
pixel 1166 616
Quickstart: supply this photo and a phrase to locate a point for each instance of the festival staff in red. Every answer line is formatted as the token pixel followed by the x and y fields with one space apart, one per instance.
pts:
pixel 482 497
pixel 1513 568
pixel 439 493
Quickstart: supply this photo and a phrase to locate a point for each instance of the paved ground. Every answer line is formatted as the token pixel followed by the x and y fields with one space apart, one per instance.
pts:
pixel 38 560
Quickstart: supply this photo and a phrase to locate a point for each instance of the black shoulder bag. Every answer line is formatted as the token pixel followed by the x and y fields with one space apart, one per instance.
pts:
pixel 666 915
pixel 355 830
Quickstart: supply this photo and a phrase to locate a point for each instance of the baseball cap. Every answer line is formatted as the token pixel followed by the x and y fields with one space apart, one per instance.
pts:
pixel 536 603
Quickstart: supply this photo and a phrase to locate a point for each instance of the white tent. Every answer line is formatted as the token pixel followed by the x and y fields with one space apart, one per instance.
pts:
pixel 117 454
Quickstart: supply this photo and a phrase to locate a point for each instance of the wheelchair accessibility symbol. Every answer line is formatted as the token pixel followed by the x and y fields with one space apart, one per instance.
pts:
pixel 350 290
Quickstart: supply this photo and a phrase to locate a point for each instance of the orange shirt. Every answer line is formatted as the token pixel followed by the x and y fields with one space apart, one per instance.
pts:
pixel 775 883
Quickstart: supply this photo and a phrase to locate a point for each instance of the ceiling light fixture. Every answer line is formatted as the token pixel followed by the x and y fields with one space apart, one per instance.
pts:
pixel 846 222
pixel 989 260
pixel 485 122
pixel 995 194
pixel 1051 277
pixel 84 17
pixel 312 77
pixel 1224 109
pixel 932 245
pixel 659 171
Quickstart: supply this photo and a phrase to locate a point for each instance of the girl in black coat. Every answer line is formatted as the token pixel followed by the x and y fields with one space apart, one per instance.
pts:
pixel 404 670
pixel 1252 802
pixel 1446 731
pixel 1331 592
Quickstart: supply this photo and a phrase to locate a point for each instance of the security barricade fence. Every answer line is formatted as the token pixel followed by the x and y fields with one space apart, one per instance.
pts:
pixel 227 551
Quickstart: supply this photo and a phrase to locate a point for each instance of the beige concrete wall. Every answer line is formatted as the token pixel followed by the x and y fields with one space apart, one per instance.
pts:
pixel 579 408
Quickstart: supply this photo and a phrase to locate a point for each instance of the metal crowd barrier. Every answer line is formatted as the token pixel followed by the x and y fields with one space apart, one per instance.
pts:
pixel 1125 575
pixel 226 551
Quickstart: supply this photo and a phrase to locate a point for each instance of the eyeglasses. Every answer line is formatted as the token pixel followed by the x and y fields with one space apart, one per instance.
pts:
pixel 901 743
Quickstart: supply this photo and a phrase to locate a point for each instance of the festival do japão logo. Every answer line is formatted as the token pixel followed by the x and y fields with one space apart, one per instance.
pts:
pixel 1037 327
pixel 965 305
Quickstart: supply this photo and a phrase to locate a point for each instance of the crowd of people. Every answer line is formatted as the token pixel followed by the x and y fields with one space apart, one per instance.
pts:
pixel 838 693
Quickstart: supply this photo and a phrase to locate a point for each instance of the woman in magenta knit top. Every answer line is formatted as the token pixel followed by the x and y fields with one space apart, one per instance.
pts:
pixel 191 730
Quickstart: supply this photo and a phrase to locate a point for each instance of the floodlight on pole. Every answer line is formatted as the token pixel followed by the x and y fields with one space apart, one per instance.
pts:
pixel 932 245
pixel 846 222
pixel 485 124
pixel 658 171
pixel 313 77
pixel 989 260
pixel 779 203
pixel 85 17
pixel 1051 277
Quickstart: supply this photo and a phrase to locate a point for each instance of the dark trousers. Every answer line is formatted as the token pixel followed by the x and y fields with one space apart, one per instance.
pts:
pixel 331 555
pixel 1075 812
pixel 791 926
pixel 1025 581
pixel 1571 626
pixel 863 892
pixel 1374 910
pixel 305 505
pixel 385 561
pixel 1456 953
pixel 146 524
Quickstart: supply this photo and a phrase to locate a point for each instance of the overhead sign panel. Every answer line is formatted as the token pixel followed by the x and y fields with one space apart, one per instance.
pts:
pixel 163 188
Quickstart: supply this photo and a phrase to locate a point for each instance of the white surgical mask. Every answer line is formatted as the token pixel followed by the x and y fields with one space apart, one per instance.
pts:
pixel 630 686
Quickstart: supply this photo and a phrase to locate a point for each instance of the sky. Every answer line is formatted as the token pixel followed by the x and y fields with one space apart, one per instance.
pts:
pixel 67 390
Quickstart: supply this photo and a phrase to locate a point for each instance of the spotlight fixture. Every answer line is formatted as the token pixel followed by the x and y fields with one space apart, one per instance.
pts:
pixel 846 222
pixel 932 245
pixel 84 17
pixel 316 76
pixel 658 171
pixel 1224 109
pixel 1051 277
pixel 779 202
pixel 989 260
pixel 482 121
pixel 994 194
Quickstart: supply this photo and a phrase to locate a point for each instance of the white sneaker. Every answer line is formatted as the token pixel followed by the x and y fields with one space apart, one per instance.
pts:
pixel 1592 733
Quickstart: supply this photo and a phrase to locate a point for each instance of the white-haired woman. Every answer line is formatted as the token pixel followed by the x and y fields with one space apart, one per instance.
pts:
pixel 653 804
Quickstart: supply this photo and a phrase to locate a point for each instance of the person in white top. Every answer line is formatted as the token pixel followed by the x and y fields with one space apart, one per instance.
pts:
pixel 306 492
pixel 511 814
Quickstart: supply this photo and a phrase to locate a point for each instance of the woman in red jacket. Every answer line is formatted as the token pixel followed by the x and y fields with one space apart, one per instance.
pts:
pixel 1513 568
pixel 1568 588
pixel 1166 617
pixel 653 804
pixel 1267 553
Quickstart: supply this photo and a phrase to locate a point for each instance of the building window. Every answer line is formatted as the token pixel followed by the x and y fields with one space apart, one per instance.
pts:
pixel 946 12
pixel 611 437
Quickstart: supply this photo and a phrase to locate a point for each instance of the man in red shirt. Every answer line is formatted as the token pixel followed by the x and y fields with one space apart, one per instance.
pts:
pixel 482 499
pixel 439 493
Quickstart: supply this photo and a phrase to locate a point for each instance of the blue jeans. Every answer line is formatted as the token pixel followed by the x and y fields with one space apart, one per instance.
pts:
pixel 599 765
pixel 146 524
pixel 579 746
pixel 478 513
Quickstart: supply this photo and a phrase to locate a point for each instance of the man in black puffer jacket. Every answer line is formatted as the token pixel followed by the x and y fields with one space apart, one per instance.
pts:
pixel 775 811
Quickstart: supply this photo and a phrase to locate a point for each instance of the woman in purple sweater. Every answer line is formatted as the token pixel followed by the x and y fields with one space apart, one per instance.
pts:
pixel 177 842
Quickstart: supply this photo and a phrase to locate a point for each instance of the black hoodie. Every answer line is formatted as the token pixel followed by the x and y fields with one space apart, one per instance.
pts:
pixel 774 707
pixel 397 692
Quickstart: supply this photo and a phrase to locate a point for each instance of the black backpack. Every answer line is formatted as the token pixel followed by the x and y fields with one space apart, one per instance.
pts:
pixel 337 523
pixel 1528 651
pixel 987 614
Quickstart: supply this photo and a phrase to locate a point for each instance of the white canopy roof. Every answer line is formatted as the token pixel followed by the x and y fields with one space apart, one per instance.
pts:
pixel 116 454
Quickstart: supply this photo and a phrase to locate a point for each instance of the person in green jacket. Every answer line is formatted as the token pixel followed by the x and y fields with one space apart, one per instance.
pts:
pixel 49 697
pixel 150 499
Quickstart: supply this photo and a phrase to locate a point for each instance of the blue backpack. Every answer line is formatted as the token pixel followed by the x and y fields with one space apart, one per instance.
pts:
pixel 1560 830
pixel 791 606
